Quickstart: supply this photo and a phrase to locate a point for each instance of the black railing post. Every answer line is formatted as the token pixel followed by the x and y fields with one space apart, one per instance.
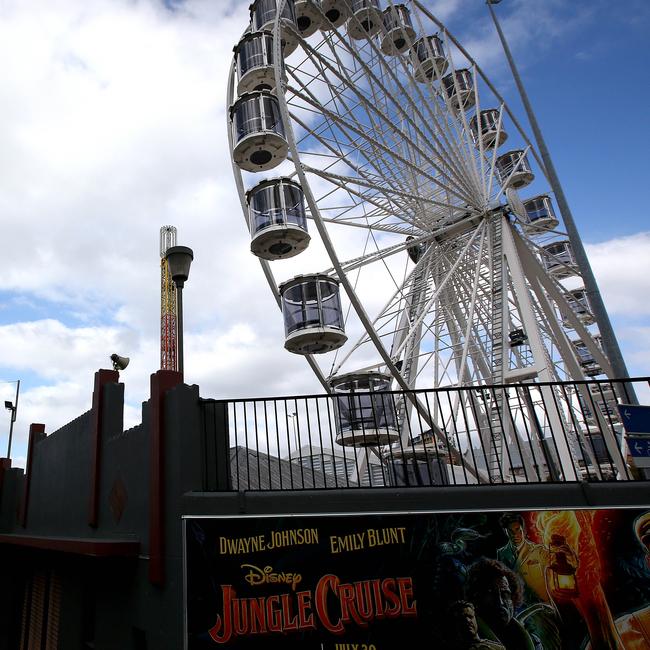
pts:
pixel 586 411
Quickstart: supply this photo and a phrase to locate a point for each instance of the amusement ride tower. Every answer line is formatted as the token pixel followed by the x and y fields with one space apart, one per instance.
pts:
pixel 168 311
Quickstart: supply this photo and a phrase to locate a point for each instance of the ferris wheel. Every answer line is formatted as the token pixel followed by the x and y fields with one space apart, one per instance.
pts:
pixel 400 212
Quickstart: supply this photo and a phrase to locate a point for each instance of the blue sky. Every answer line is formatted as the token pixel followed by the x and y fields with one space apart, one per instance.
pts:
pixel 589 87
pixel 105 139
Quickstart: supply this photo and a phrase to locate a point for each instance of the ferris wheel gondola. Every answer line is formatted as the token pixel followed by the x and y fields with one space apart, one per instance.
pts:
pixel 393 139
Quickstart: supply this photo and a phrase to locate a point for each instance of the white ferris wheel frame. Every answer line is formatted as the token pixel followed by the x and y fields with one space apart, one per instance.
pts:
pixel 528 277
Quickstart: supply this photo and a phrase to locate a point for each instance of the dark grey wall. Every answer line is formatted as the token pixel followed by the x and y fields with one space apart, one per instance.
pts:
pixel 60 487
pixel 58 498
pixel 437 499
pixel 11 498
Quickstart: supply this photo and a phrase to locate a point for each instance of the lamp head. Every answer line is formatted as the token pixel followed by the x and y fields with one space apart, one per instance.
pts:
pixel 179 259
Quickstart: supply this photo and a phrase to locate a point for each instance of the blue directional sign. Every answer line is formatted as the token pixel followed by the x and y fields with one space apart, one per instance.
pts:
pixel 636 419
pixel 640 451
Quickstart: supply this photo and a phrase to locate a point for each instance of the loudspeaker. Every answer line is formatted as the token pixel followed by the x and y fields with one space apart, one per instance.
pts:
pixel 119 363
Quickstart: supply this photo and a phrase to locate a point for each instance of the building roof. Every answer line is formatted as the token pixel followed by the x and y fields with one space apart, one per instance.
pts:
pixel 253 470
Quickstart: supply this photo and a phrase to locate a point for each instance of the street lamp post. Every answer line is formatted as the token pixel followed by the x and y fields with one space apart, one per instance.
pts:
pixel 13 407
pixel 610 343
pixel 179 259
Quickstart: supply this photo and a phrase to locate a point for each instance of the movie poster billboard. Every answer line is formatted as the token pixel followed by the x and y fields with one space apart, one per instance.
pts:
pixel 525 580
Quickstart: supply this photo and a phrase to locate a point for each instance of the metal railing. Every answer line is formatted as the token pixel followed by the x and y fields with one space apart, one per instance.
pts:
pixel 475 435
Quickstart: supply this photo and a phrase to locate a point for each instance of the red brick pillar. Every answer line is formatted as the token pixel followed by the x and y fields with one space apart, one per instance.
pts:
pixel 102 377
pixel 161 382
pixel 36 434
pixel 5 464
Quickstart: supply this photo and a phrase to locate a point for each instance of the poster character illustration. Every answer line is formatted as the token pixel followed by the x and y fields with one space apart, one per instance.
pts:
pixel 528 580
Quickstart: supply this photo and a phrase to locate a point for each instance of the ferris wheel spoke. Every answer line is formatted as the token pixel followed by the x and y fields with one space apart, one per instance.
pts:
pixel 387 203
pixel 463 132
pixel 372 181
pixel 479 140
pixel 458 299
pixel 380 254
pixel 454 134
pixel 380 95
pixel 442 345
pixel 493 90
pixel 338 155
pixel 485 291
pixel 391 309
pixel 391 228
pixel 430 138
pixel 473 346
pixel 466 347
pixel 375 218
pixel 390 193
pixel 433 127
pixel 351 144
pixel 439 131
pixel 343 211
pixel 374 158
pixel 378 146
pixel 493 162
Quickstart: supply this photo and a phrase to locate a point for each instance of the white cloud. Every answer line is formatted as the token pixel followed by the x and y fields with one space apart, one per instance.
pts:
pixel 622 268
pixel 444 9
pixel 130 135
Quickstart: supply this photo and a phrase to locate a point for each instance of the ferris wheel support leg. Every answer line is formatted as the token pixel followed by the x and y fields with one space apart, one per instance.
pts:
pixel 529 321
pixel 568 357
pixel 489 439
pixel 360 466
pixel 575 372
pixel 539 281
pixel 534 269
pixel 610 342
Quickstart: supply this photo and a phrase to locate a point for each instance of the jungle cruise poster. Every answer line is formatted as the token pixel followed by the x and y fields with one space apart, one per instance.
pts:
pixel 516 580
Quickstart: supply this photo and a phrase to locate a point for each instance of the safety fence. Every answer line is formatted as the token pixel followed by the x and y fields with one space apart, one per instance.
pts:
pixel 516 433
